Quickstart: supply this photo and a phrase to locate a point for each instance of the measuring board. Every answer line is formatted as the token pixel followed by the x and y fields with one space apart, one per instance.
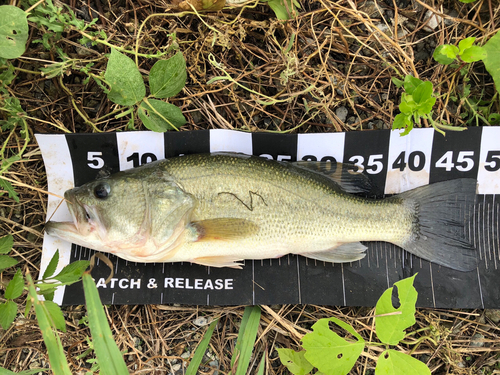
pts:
pixel 394 163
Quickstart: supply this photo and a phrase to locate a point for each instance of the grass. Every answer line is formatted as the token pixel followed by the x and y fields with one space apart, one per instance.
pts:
pixel 291 78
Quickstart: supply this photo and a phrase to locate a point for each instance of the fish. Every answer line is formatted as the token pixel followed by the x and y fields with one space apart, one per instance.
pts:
pixel 220 209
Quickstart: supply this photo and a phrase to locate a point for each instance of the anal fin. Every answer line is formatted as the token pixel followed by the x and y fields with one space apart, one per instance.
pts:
pixel 347 252
pixel 219 261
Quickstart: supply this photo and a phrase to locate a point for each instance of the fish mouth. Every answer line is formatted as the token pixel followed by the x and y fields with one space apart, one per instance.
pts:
pixel 70 229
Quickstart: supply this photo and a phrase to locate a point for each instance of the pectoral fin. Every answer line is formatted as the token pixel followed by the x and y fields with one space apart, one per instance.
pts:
pixel 224 229
pixel 347 252
pixel 219 261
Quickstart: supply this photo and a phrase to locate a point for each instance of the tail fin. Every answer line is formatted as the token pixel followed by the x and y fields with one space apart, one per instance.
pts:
pixel 443 212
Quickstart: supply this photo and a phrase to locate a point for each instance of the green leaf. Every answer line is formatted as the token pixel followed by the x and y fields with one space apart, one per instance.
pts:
pixel 109 357
pixel 6 262
pixel 422 92
pixel 6 244
pixel 15 287
pixel 464 44
pixel 56 315
pixel 280 9
pixel 445 54
pixel 472 54
pixel 425 108
pixel 73 271
pixel 159 116
pixel 7 186
pixel 397 82
pixel 168 77
pixel 124 79
pixel 403 121
pixel 246 339
pixel 411 83
pixel 200 350
pixel 329 352
pixel 294 361
pixel 390 328
pixel 7 76
pixel 467 1
pixel 14 31
pixel 51 268
pixel 57 358
pixel 407 104
pixel 392 362
pixel 8 312
pixel 492 59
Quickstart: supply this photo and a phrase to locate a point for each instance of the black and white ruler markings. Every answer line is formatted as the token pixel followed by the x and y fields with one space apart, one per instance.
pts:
pixel 394 163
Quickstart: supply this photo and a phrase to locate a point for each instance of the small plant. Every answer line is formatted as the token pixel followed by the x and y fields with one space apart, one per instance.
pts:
pixel 126 88
pixel 466 52
pixel 46 286
pixel 333 355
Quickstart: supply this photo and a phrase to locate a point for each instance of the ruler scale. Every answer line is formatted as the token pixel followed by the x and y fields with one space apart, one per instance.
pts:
pixel 394 163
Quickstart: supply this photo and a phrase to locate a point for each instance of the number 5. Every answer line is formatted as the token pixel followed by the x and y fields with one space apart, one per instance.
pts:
pixel 96 162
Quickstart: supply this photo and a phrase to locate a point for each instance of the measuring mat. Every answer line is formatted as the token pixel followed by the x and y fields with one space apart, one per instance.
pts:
pixel 395 164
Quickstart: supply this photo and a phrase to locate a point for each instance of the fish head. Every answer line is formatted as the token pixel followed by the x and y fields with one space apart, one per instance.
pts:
pixel 133 215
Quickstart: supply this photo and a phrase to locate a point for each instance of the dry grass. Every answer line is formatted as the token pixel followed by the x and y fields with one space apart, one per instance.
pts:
pixel 331 54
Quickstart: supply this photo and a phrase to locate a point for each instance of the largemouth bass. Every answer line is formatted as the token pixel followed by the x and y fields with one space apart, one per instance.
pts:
pixel 219 209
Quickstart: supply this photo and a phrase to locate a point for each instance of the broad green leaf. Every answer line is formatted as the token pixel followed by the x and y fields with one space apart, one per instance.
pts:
pixel 294 361
pixel 422 92
pixel 200 350
pixel 168 77
pixel 6 244
pixel 280 8
pixel 425 108
pixel 403 121
pixel 411 83
pixel 57 358
pixel 472 54
pixel 467 1
pixel 492 59
pixel 51 268
pixel 464 44
pixel 56 315
pixel 7 186
pixel 8 312
pixel 407 104
pixel 73 271
pixel 160 116
pixel 125 81
pixel 445 54
pixel 390 328
pixel 6 262
pixel 108 354
pixel 14 31
pixel 246 339
pixel 329 352
pixel 392 362
pixel 15 287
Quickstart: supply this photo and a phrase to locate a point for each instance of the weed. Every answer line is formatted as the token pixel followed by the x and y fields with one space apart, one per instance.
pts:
pixel 331 354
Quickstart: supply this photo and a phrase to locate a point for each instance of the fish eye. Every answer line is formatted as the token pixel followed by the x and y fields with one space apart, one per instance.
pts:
pixel 102 190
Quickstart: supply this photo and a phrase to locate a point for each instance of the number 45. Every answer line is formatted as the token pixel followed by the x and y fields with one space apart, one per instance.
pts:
pixel 464 163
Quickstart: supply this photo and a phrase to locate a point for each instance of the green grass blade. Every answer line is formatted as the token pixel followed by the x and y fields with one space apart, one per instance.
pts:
pixel 57 358
pixel 108 355
pixel 246 339
pixel 262 365
pixel 200 350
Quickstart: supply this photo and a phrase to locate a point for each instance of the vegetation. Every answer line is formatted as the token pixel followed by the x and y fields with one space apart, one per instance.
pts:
pixel 271 65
